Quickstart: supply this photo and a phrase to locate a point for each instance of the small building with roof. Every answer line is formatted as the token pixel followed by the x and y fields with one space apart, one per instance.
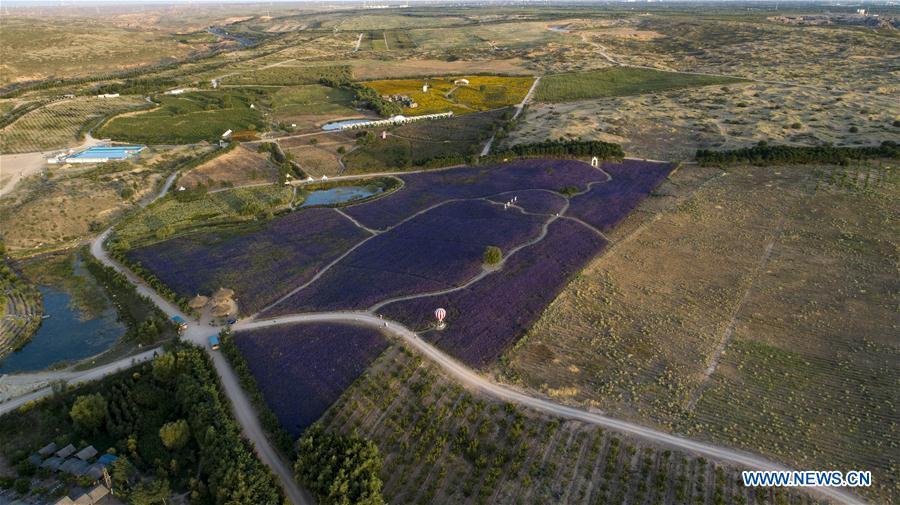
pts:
pixel 98 493
pixel 48 449
pixel 222 294
pixel 74 466
pixel 181 323
pixel 87 453
pixel 95 471
pixel 66 451
pixel 198 302
pixel 107 459
pixel 52 464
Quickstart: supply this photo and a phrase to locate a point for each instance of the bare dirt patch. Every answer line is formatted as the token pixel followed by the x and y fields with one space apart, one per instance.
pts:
pixel 238 167
pixel 320 154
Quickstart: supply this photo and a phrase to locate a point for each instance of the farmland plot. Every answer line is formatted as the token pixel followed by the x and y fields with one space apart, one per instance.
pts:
pixel 482 93
pixel 302 369
pixel 285 75
pixel 617 81
pixel 791 269
pixel 235 168
pixel 439 249
pixel 260 263
pixel 445 445
pixel 311 106
pixel 426 189
pixel 60 124
pixel 492 314
pixel 442 142
pixel 170 217
pixel 606 205
pixel 536 201
pixel 191 117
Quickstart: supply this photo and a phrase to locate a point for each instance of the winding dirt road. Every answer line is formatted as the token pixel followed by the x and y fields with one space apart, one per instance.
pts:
pixel 472 379
pixel 198 331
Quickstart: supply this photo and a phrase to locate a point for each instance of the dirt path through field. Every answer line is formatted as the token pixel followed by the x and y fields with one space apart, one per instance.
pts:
pixel 474 380
pixel 198 331
pixel 519 107
pixel 729 329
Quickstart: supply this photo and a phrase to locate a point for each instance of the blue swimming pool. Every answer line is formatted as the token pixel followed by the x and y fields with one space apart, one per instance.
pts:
pixel 101 152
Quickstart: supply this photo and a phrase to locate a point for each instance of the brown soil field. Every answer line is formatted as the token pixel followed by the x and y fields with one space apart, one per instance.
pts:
pixel 673 125
pixel 322 157
pixel 754 307
pixel 238 167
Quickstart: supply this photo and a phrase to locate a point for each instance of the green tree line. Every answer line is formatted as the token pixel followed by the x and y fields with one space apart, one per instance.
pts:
pixel 562 149
pixel 767 154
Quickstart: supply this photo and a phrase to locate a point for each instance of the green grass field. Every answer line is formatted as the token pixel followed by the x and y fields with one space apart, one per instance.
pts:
pixel 313 99
pixel 619 81
pixel 169 217
pixel 190 118
pixel 413 145
pixel 284 75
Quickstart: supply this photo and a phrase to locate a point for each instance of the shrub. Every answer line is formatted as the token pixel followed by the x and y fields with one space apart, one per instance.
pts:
pixel 492 255
pixel 89 412
pixel 175 435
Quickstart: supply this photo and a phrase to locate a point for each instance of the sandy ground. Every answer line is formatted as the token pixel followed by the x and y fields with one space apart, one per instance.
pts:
pixel 15 167
pixel 673 125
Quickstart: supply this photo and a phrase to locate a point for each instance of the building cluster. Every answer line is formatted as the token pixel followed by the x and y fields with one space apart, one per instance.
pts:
pixel 77 463
pixel 221 304
pixel 96 496
pixel 403 100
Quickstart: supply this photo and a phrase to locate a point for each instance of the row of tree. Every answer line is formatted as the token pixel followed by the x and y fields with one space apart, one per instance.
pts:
pixel 284 161
pixel 561 149
pixel 145 322
pixel 139 86
pixel 767 154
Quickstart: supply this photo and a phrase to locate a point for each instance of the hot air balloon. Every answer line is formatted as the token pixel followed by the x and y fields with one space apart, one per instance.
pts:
pixel 440 314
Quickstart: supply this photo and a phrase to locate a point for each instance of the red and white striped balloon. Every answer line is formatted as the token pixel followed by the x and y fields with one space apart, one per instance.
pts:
pixel 440 314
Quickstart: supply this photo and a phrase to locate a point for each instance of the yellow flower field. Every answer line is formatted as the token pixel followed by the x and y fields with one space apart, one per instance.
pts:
pixel 482 93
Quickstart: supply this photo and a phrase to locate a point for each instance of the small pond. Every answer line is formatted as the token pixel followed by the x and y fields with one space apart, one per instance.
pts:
pixel 560 29
pixel 64 336
pixel 340 194
pixel 337 125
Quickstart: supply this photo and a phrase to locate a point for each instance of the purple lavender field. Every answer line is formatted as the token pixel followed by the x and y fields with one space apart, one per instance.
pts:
pixel 261 264
pixel 486 318
pixel 535 201
pixel 436 250
pixel 423 190
pixel 302 369
pixel 606 205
